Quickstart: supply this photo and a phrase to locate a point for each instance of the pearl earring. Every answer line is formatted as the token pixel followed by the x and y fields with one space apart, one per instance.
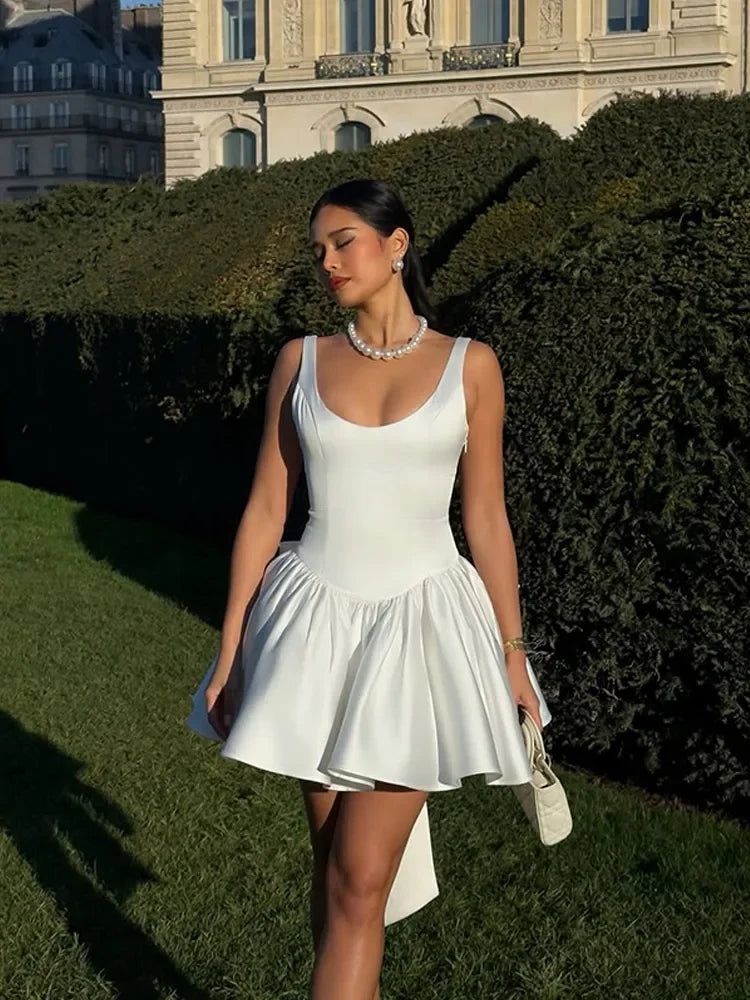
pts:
pixel 398 265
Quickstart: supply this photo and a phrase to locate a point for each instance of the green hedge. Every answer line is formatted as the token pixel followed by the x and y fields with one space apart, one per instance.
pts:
pixel 225 242
pixel 608 271
pixel 639 153
pixel 627 369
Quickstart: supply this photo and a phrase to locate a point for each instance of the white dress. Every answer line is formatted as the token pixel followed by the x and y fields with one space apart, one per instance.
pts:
pixel 372 651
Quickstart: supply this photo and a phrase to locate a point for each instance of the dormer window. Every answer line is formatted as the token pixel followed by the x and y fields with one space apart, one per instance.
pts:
pixel 150 80
pixel 98 75
pixel 23 77
pixel 62 74
pixel 125 79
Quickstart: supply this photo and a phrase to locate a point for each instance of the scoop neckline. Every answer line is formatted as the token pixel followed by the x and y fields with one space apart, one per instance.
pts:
pixel 393 423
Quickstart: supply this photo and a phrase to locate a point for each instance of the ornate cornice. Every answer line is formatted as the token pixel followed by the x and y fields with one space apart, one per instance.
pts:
pixel 367 91
pixel 497 85
pixel 653 77
pixel 206 103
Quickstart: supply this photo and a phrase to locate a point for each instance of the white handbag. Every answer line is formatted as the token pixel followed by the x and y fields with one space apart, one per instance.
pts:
pixel 543 798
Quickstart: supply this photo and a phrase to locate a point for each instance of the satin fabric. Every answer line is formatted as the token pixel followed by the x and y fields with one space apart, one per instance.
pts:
pixel 372 652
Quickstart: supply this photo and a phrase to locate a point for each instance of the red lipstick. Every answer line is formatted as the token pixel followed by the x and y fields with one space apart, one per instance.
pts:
pixel 336 283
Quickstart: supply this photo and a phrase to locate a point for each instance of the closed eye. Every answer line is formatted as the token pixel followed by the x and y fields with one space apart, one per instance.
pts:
pixel 339 246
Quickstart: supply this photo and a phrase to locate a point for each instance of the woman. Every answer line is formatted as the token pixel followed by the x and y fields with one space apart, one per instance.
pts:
pixel 372 657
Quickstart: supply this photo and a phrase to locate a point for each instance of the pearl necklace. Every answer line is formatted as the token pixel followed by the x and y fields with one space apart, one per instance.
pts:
pixel 391 352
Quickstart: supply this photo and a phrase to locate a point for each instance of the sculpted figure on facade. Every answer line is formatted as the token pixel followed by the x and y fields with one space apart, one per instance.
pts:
pixel 416 17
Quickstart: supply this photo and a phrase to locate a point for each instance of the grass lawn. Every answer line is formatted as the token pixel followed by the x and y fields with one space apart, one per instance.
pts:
pixel 137 863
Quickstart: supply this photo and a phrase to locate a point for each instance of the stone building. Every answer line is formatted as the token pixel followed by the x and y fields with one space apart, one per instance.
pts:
pixel 253 81
pixel 75 94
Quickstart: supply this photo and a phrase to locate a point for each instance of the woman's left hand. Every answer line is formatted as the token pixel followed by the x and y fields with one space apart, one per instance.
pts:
pixel 520 683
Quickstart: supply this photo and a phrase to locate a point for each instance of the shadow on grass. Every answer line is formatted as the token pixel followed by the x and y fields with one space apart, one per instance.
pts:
pixel 42 801
pixel 189 572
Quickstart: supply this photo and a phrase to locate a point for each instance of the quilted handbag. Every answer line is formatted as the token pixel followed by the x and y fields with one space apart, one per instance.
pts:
pixel 543 798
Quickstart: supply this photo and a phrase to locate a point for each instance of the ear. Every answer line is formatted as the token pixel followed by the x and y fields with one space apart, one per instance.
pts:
pixel 399 242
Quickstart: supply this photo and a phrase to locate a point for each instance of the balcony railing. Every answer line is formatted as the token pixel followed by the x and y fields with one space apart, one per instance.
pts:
pixel 82 123
pixel 492 56
pixel 346 64
pixel 79 79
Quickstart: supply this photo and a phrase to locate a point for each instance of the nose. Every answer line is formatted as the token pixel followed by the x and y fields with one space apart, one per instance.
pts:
pixel 330 260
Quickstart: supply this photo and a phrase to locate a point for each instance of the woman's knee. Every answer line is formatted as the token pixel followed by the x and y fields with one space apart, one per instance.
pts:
pixel 357 888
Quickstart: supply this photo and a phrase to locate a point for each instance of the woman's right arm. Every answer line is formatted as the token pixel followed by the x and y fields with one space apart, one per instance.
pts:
pixel 262 524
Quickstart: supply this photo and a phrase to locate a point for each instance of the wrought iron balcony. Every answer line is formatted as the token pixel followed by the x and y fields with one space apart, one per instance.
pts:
pixel 345 64
pixel 492 56
pixel 82 123
pixel 78 79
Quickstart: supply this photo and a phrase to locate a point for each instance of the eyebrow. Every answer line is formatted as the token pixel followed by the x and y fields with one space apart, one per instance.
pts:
pixel 341 229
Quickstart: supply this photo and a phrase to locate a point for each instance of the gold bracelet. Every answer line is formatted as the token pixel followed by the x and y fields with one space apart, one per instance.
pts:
pixel 517 643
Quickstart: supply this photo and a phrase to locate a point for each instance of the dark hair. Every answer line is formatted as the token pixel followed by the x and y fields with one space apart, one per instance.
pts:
pixel 379 206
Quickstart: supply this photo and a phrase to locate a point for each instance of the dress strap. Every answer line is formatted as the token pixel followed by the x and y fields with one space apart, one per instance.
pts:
pixel 456 379
pixel 305 376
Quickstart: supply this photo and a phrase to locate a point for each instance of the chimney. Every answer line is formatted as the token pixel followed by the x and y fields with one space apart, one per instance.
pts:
pixel 104 16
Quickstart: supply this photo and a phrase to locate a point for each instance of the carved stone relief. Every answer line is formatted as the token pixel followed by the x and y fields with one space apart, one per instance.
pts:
pixel 292 28
pixel 550 19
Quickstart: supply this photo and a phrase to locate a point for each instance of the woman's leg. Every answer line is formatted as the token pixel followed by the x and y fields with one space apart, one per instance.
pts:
pixel 321 807
pixel 369 837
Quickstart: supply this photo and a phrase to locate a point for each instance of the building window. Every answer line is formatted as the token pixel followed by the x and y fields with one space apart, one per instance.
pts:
pixel 101 111
pixel 152 122
pixel 59 114
pixel 239 148
pixel 150 80
pixel 490 21
pixel 103 159
pixel 627 15
pixel 125 80
pixel 98 76
pixel 130 161
pixel 23 77
pixel 479 121
pixel 22 160
pixel 239 29
pixel 60 158
pixel 20 116
pixel 352 136
pixel 62 74
pixel 358 25
pixel 153 162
